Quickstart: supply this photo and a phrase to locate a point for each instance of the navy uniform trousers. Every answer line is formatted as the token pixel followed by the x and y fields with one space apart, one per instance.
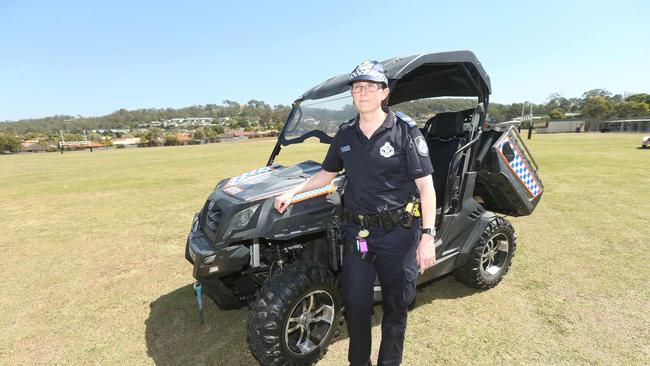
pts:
pixel 397 269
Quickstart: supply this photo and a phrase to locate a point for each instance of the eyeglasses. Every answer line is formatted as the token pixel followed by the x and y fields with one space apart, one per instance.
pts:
pixel 370 88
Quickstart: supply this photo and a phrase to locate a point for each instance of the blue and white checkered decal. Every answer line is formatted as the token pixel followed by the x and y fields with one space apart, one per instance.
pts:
pixel 314 192
pixel 521 168
pixel 240 178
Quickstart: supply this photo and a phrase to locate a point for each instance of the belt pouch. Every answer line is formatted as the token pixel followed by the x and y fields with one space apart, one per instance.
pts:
pixel 385 218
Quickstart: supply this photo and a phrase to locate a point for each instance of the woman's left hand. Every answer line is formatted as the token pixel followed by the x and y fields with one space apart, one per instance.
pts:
pixel 426 252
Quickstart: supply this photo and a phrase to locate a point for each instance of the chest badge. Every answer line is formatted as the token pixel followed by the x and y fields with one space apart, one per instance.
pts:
pixel 387 150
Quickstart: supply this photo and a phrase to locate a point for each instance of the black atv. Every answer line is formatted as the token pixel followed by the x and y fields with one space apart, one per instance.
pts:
pixel 285 267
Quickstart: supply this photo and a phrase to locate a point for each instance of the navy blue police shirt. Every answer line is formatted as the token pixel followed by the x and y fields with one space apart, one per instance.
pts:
pixel 382 169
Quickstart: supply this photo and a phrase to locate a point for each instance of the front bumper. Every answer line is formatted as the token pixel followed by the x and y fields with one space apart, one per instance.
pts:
pixel 211 261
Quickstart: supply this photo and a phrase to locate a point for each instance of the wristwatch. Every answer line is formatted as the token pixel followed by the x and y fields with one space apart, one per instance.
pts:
pixel 429 231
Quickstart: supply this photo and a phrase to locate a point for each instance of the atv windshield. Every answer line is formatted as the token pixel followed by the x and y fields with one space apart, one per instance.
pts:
pixel 319 118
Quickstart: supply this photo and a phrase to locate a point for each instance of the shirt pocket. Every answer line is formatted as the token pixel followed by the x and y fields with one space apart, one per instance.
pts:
pixel 390 166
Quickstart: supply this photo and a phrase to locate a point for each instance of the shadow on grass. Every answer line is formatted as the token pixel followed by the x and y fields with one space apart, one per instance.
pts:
pixel 174 335
pixel 445 287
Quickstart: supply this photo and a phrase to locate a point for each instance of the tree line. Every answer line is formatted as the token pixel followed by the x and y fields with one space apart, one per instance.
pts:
pixel 594 106
pixel 255 113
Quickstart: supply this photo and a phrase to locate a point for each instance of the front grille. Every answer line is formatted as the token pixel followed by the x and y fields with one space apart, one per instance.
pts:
pixel 212 218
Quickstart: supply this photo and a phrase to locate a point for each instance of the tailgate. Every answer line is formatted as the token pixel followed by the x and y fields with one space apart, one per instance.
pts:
pixel 508 181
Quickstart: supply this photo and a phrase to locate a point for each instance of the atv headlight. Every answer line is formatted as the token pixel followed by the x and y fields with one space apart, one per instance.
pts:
pixel 241 219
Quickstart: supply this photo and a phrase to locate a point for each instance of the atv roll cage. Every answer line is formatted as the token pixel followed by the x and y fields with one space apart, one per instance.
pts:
pixel 426 75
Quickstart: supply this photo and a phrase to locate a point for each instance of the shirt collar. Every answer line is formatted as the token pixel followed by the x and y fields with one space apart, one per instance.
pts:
pixel 389 121
pixel 390 118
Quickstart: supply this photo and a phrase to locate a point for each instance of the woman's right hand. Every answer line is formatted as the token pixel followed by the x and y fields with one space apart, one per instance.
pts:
pixel 283 201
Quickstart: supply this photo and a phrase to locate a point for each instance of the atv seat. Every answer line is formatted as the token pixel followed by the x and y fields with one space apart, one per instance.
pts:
pixel 444 135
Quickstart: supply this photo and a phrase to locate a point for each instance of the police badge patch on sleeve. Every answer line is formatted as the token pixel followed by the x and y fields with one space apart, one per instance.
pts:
pixel 421 146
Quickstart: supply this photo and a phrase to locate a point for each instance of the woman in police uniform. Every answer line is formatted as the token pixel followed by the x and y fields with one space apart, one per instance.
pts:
pixel 386 162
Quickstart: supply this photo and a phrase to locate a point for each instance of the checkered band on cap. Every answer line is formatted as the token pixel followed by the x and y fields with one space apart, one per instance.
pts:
pixel 369 70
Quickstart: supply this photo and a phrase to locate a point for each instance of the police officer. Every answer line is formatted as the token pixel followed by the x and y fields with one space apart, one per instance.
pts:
pixel 386 162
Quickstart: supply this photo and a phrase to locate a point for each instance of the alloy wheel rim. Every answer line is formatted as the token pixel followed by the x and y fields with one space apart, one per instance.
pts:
pixel 309 323
pixel 495 254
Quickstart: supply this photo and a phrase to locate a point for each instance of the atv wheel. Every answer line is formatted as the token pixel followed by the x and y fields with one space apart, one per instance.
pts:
pixel 491 256
pixel 296 315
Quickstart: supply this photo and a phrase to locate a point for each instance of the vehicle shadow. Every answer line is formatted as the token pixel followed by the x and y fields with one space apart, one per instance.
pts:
pixel 174 335
pixel 442 288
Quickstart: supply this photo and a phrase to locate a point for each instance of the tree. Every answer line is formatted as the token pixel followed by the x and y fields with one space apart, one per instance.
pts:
pixel 556 113
pixel 596 109
pixel 9 143
pixel 208 133
pixel 154 137
pixel 198 134
pixel 596 93
pixel 639 98
pixel 556 100
pixel 631 109
pixel 171 139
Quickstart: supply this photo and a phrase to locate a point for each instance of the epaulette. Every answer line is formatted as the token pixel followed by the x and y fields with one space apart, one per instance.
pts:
pixel 406 119
pixel 347 123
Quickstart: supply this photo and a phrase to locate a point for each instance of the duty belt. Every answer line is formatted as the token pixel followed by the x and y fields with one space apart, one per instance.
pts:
pixel 374 220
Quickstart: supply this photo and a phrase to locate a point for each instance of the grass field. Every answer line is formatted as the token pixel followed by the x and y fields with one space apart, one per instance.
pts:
pixel 93 271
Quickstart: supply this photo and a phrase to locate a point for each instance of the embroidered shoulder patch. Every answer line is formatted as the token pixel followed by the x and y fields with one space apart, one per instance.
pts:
pixel 406 119
pixel 421 146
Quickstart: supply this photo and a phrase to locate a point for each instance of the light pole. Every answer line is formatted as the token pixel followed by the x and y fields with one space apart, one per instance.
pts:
pixel 530 122
pixel 522 116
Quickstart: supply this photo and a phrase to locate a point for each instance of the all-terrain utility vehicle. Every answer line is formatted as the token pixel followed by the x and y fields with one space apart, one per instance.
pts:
pixel 285 266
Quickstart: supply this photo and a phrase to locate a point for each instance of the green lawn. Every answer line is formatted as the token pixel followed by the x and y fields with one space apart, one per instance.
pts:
pixel 93 271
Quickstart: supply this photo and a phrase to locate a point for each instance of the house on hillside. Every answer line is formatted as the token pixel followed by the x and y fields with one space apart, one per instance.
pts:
pixel 32 148
pixel 183 139
pixel 242 135
pixel 83 145
pixel 224 137
pixel 127 142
